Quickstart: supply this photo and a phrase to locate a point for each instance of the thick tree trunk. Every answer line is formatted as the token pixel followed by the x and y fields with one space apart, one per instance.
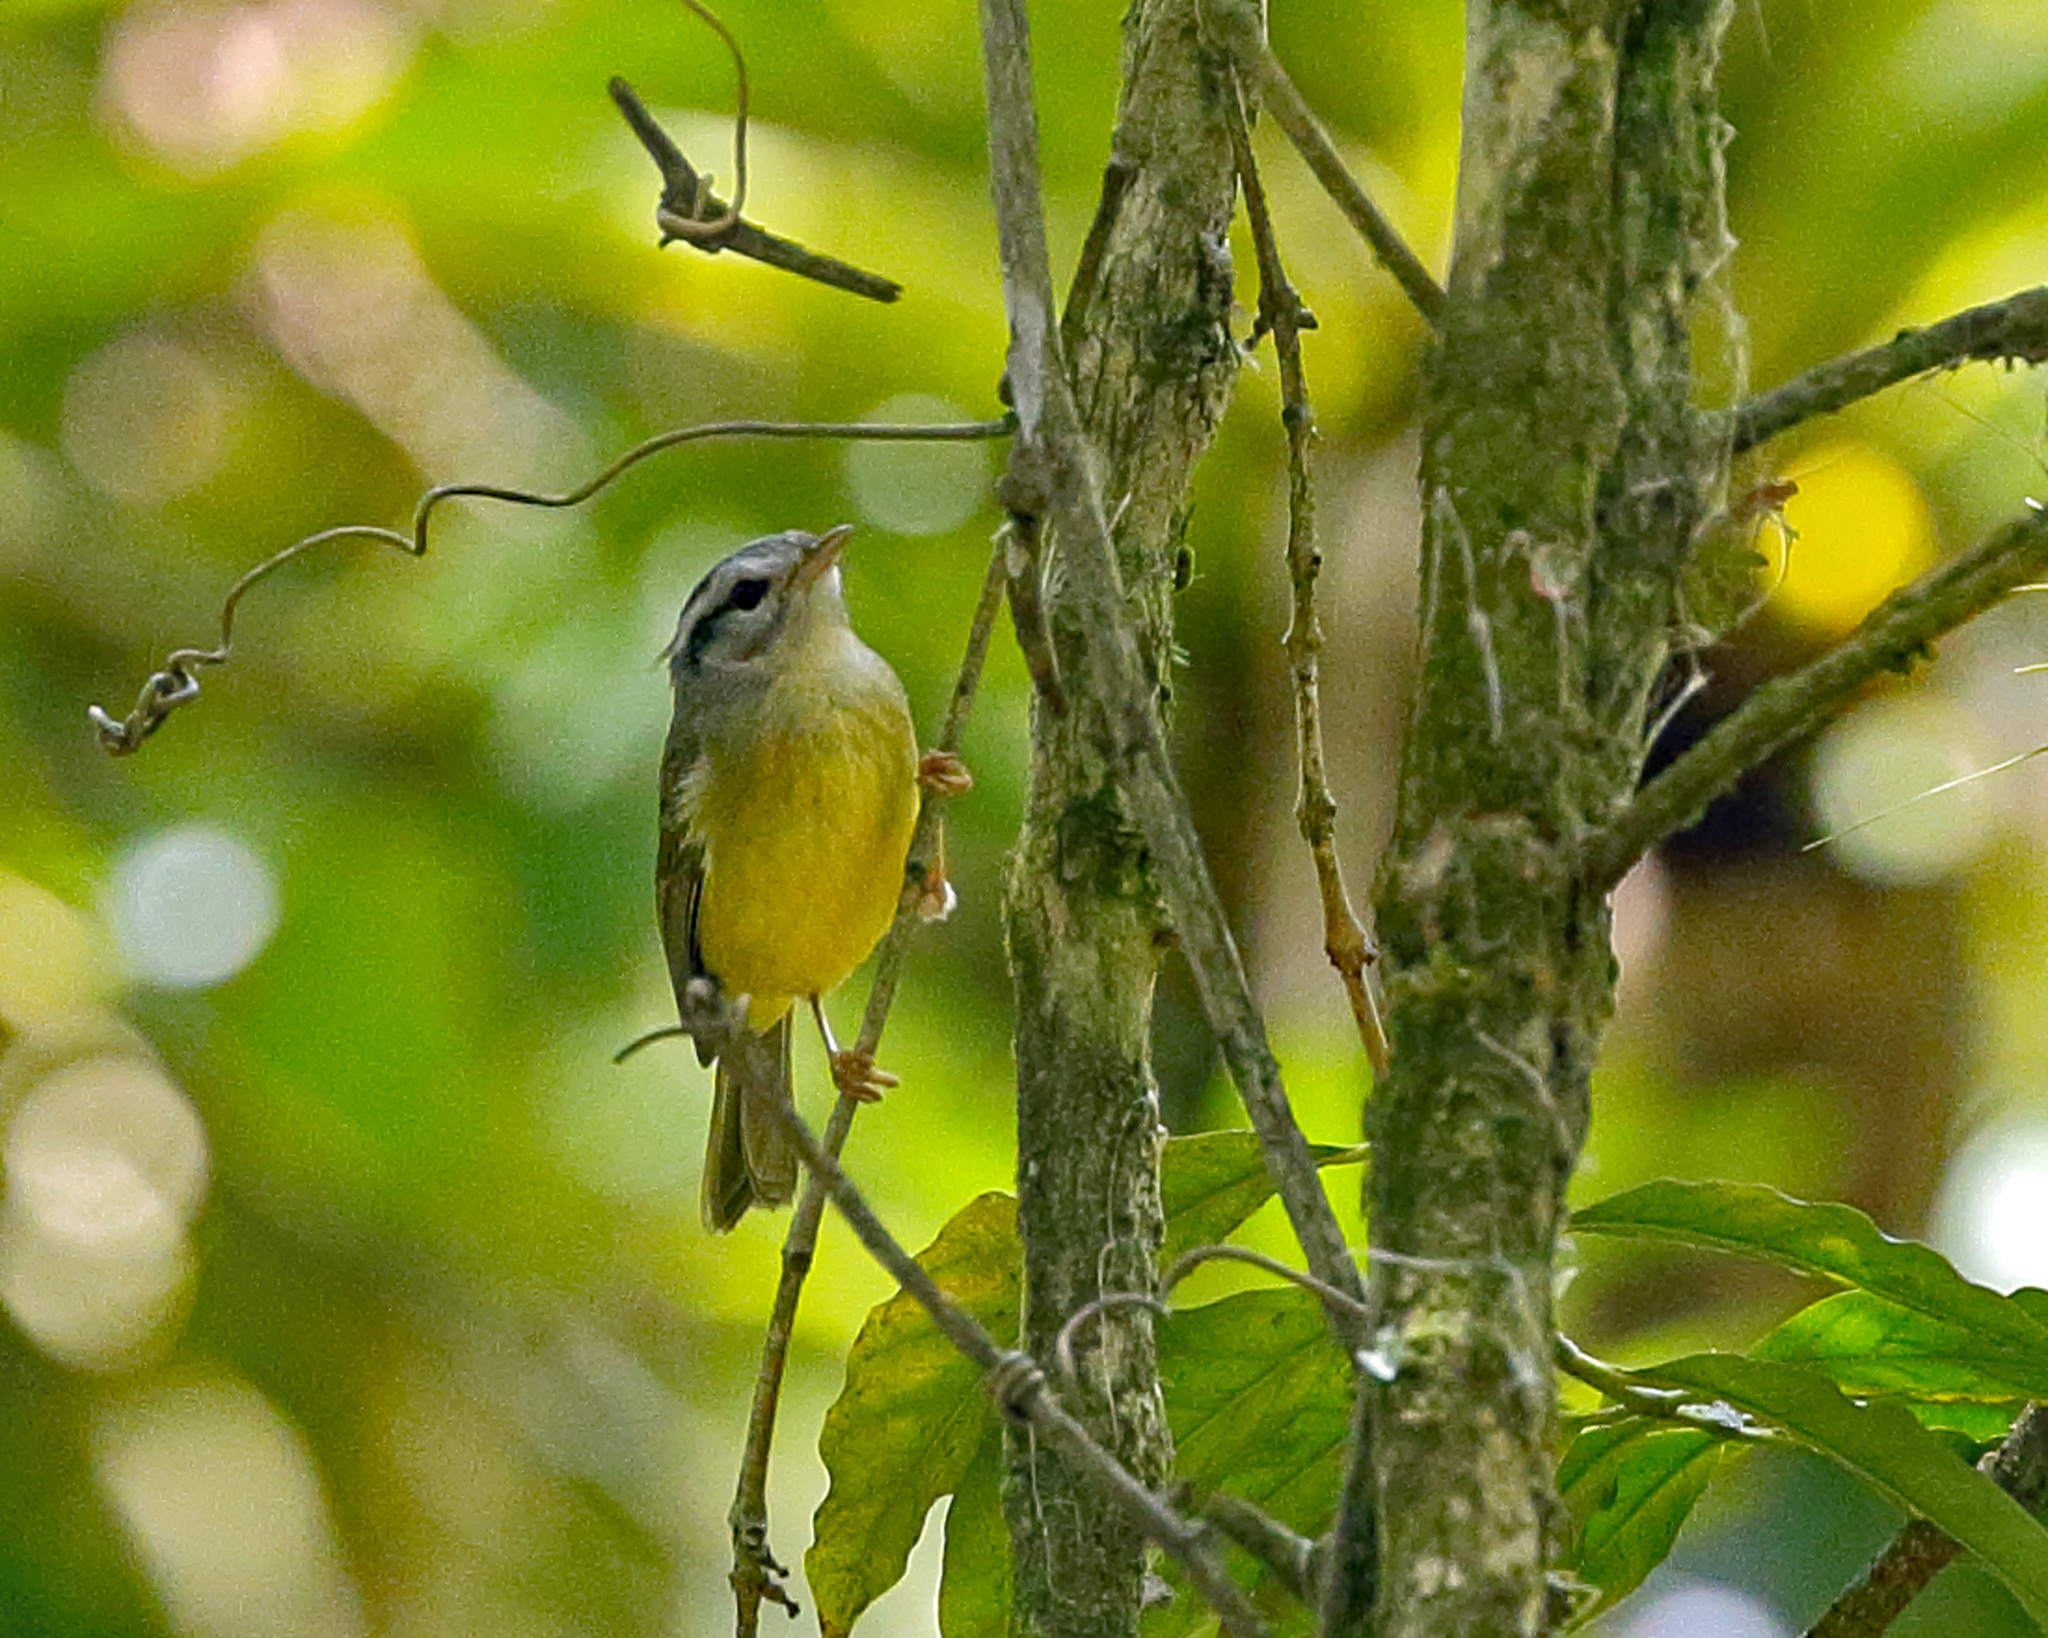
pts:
pixel 1564 473
pixel 1152 362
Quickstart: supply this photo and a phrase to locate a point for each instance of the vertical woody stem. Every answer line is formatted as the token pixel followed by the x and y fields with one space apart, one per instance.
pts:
pixel 1564 470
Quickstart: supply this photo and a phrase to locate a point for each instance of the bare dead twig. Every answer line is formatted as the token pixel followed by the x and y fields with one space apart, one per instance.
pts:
pixel 177 683
pixel 690 212
pixel 756 1576
pixel 2012 330
pixel 1282 314
pixel 1241 28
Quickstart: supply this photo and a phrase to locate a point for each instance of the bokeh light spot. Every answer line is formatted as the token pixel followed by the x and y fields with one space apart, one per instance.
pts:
pixel 106 1163
pixel 1863 530
pixel 1692 1608
pixel 1896 752
pixel 201 87
pixel 192 906
pixel 354 309
pixel 51 970
pixel 917 488
pixel 1992 1214
pixel 221 1498
pixel 146 419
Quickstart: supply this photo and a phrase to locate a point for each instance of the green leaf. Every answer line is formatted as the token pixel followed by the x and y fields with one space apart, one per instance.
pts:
pixel 1836 1242
pixel 1210 1182
pixel 1259 1400
pixel 911 1416
pixel 1980 1426
pixel 974 1587
pixel 1630 1486
pixel 1879 1441
pixel 1867 1345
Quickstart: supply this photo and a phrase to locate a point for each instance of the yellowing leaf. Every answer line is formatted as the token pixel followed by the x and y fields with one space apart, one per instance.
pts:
pixel 911 1416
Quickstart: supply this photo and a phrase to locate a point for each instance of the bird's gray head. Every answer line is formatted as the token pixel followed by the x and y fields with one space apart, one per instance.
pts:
pixel 745 602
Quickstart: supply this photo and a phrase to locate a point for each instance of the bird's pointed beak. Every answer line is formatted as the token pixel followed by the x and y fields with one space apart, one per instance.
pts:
pixel 818 561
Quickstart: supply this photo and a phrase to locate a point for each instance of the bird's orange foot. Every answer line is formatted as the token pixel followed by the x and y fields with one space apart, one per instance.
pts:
pixel 855 1074
pixel 944 774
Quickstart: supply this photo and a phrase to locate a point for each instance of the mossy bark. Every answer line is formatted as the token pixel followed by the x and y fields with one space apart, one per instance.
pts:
pixel 1565 470
pixel 1152 360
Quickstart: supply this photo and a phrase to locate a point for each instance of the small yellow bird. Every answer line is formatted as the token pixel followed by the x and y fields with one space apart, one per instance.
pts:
pixel 789 788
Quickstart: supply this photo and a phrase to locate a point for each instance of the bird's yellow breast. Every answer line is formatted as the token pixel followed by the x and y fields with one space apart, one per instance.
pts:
pixel 806 828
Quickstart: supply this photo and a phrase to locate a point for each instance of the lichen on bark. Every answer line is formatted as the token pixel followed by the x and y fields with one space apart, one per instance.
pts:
pixel 1565 470
pixel 1151 359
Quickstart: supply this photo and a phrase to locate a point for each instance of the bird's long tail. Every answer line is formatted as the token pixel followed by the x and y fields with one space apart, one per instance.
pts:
pixel 751 1160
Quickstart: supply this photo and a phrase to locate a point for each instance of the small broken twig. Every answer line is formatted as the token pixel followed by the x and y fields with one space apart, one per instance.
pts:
pixel 1282 313
pixel 690 212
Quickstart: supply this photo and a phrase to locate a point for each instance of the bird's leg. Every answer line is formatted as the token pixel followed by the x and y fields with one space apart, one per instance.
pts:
pixel 853 1071
pixel 944 774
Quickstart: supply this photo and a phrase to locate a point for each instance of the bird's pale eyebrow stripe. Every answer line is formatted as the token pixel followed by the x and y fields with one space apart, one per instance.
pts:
pixel 713 595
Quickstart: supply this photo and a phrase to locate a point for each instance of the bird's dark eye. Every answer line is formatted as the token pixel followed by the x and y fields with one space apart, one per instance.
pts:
pixel 748 594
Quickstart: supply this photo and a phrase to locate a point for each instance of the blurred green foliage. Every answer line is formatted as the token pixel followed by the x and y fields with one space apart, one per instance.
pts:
pixel 440 1346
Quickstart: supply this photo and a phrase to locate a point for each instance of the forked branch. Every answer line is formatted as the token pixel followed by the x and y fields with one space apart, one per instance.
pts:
pixel 1022 1392
pixel 1242 29
pixel 1051 478
pixel 1783 711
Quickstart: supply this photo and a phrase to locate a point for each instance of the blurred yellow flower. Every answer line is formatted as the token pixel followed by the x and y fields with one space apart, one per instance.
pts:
pixel 1860 529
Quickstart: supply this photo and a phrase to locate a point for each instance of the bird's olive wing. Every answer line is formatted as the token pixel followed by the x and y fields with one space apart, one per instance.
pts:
pixel 679 871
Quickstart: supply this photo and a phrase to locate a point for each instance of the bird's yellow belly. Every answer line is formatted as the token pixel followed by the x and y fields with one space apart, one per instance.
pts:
pixel 805 865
